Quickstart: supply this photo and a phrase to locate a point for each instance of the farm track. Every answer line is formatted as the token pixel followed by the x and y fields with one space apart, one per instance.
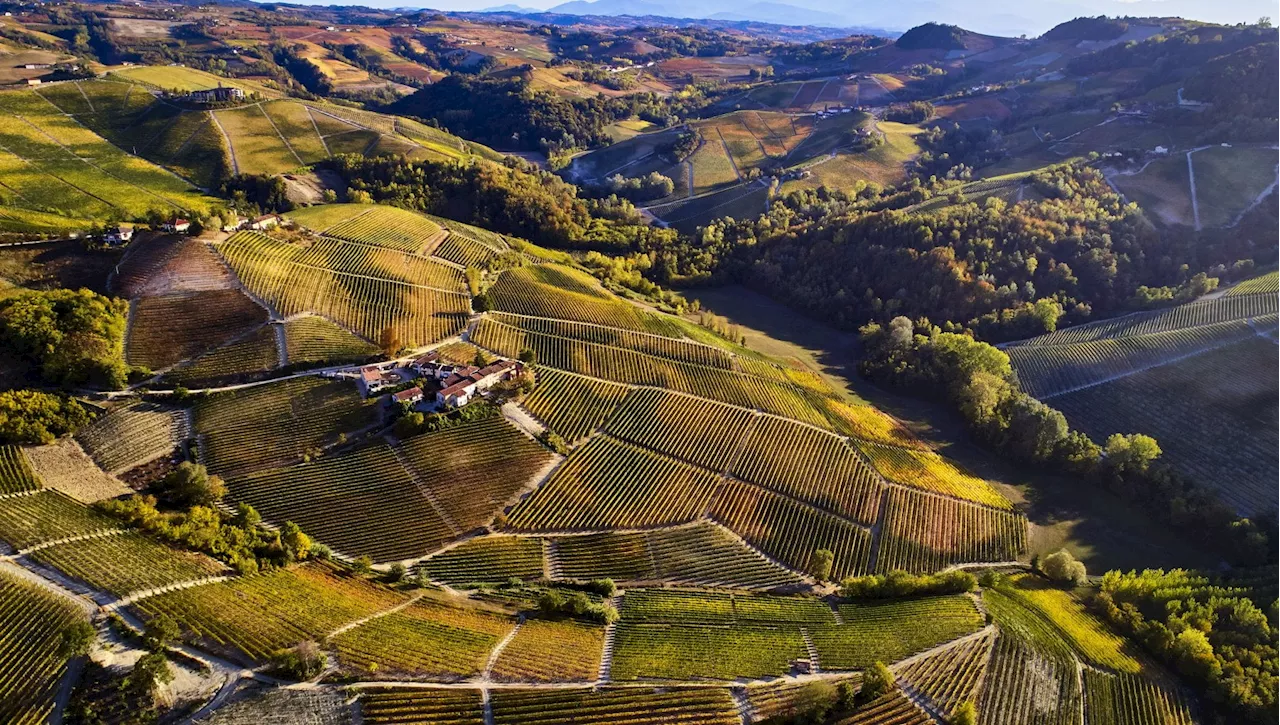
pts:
pixel 231 149
pixel 276 128
pixel 732 162
pixel 323 144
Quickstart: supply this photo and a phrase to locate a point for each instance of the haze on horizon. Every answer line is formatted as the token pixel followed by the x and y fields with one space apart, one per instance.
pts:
pixel 1001 17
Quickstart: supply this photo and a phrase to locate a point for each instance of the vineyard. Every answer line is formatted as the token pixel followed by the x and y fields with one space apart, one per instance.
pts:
pixel 890 631
pixel 64 467
pixel 421 707
pixel 42 516
pixel 698 431
pixel 790 531
pixel 170 328
pixel 464 251
pixel 571 405
pixel 1192 314
pixel 631 705
pixel 1262 284
pixel 133 435
pixel 247 357
pixel 32 621
pixel 1026 687
pixel 566 294
pixel 16 475
pixel 371 260
pixel 810 465
pixel 487 559
pixel 473 470
pixel 699 555
pixel 892 709
pixel 1210 413
pixel 679 350
pixel 275 424
pixel 951 677
pixel 428 638
pixel 551 651
pixel 1049 370
pixel 126 563
pixel 359 503
pixel 313 339
pixel 260 614
pixel 931 472
pixel 923 533
pixel 1131 700
pixel 611 484
pixel 630 367
pixel 347 289
pixel 1057 622
pixel 713 652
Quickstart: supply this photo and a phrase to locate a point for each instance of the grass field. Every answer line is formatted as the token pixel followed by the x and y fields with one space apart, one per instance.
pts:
pixel 1162 190
pixel 1228 180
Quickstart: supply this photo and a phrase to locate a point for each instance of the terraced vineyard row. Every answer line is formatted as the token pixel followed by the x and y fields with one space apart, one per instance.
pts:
pixel 810 465
pixel 621 706
pixel 564 294
pixel 250 356
pixel 929 471
pixel 388 226
pixel 47 515
pixel 369 259
pixel 925 533
pixel 701 555
pixel 1131 700
pixel 313 339
pixel 684 652
pixel 277 423
pixel 790 531
pixel 133 435
pixel 421 707
pixel 473 470
pixel 369 305
pixel 480 235
pixel 892 709
pixel 32 621
pixel 951 677
pixel 359 503
pixel 1026 687
pixel 630 367
pixel 571 405
pixel 686 606
pixel 126 563
pixel 167 329
pixel 552 651
pixel 16 474
pixel 1049 370
pixel 648 343
pixel 429 638
pixel 464 251
pixel 1056 622
pixel 611 484
pixel 893 630
pixel 699 431
pixel 260 614
pixel 1268 283
pixel 488 559
pixel 1192 314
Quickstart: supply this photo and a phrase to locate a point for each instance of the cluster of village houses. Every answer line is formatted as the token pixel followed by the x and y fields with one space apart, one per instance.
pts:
pixel 123 233
pixel 456 385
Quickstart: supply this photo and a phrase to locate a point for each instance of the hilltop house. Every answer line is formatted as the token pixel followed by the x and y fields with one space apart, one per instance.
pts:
pixel 372 380
pixel 221 94
pixel 177 225
pixel 266 221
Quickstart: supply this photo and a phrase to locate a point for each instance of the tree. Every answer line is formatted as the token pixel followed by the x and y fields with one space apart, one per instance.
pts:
pixel 149 674
pixel 76 639
pixel 389 341
pixel 191 485
pixel 965 714
pixel 876 683
pixel 303 661
pixel 1061 566
pixel 552 440
pixel 34 417
pixel 1133 453
pixel 297 545
pixel 160 632
pixel 820 564
pixel 528 356
pixel 362 565
pixel 76 337
pixel 359 196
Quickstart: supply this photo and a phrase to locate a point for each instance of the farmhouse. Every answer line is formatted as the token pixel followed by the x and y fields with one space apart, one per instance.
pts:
pixel 177 225
pixel 266 221
pixel 411 396
pixel 221 94
pixel 466 383
pixel 372 379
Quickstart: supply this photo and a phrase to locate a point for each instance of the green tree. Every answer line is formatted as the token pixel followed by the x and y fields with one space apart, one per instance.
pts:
pixel 297 545
pixel 528 356
pixel 160 632
pixel 34 417
pixel 76 337
pixel 820 563
pixel 965 714
pixel 876 682
pixel 77 639
pixel 1132 453
pixel 191 485
pixel 150 673
pixel 1061 566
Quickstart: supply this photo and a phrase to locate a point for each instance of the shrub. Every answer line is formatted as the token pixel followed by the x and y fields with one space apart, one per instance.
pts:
pixel 300 662
pixel 1061 566
pixel 901 584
